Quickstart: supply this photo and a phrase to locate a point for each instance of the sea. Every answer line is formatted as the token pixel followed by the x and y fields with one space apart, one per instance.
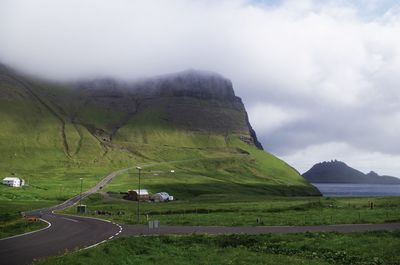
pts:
pixel 355 190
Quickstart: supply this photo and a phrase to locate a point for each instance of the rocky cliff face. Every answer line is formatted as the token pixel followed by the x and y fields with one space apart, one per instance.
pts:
pixel 190 100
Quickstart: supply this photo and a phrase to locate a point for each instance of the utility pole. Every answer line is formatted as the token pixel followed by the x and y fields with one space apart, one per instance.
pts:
pixel 80 196
pixel 138 197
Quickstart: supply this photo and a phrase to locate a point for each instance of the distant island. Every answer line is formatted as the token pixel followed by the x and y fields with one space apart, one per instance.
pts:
pixel 338 172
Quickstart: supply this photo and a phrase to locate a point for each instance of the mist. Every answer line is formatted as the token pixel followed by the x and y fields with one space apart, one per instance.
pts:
pixel 320 80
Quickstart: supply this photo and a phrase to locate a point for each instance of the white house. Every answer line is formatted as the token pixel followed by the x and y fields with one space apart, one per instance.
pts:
pixel 13 182
pixel 161 197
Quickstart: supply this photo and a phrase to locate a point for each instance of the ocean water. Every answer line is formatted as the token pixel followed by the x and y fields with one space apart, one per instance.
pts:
pixel 351 190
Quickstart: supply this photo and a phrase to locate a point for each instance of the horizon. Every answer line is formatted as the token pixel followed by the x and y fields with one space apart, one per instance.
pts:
pixel 319 80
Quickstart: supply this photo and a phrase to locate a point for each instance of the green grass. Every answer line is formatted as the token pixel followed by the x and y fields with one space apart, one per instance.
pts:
pixel 20 226
pixel 11 220
pixel 245 210
pixel 371 248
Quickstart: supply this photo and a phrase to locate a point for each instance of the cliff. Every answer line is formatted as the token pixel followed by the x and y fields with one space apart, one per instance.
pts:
pixel 191 100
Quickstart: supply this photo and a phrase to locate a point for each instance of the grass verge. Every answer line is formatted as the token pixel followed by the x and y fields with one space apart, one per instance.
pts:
pixel 371 248
pixel 11 221
pixel 20 226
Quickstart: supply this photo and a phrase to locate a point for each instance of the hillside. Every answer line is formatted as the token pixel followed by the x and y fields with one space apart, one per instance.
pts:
pixel 54 133
pixel 339 172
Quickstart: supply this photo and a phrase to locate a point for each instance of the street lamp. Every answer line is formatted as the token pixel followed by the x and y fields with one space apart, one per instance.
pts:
pixel 138 197
pixel 80 196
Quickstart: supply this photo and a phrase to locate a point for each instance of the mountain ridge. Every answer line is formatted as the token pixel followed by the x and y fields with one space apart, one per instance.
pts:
pixel 339 172
pixel 53 128
pixel 186 84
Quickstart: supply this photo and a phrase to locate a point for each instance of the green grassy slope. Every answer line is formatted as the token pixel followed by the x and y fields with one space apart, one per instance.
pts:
pixel 40 144
pixel 52 135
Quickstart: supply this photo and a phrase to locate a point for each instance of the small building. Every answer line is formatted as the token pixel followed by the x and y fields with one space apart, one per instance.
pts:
pixel 13 182
pixel 141 195
pixel 81 209
pixel 160 197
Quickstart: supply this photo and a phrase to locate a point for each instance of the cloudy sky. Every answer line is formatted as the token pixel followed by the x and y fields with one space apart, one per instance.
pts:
pixel 320 79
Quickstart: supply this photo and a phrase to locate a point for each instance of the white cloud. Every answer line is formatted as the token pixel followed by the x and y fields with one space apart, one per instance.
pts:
pixel 322 71
pixel 271 117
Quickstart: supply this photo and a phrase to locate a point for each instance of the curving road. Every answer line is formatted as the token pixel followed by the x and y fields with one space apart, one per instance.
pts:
pixel 74 232
pixel 63 233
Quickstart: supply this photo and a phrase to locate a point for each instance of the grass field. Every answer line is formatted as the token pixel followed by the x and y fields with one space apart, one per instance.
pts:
pixel 372 248
pixel 247 210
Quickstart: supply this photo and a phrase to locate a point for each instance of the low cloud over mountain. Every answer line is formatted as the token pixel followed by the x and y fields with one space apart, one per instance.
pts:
pixel 320 80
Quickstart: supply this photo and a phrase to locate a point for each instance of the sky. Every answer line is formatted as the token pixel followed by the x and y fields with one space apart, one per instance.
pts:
pixel 320 79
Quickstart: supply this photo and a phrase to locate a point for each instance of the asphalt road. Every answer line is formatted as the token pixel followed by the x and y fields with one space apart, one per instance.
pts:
pixel 64 232
pixel 74 232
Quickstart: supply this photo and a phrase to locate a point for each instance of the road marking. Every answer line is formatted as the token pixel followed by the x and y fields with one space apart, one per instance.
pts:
pixel 104 241
pixel 94 245
pixel 48 226
pixel 120 230
pixel 72 220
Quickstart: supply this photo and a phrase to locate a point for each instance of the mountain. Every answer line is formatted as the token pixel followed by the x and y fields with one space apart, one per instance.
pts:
pixel 53 133
pixel 338 172
pixel 192 101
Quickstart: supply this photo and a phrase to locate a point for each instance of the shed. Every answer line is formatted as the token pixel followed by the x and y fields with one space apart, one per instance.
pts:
pixel 141 195
pixel 160 197
pixel 13 182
